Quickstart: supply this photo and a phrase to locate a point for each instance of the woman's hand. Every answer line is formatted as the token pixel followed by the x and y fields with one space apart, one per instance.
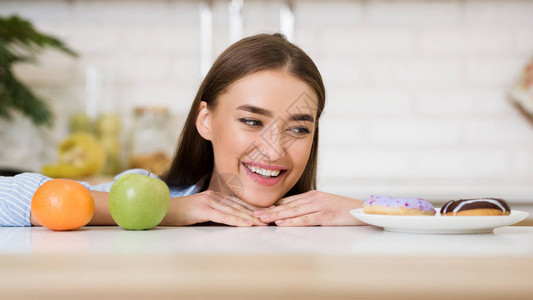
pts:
pixel 311 208
pixel 210 206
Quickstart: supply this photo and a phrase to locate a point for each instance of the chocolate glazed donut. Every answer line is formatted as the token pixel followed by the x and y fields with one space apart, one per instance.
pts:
pixel 476 207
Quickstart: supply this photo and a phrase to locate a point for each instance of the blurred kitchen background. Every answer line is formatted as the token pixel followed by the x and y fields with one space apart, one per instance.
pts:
pixel 418 91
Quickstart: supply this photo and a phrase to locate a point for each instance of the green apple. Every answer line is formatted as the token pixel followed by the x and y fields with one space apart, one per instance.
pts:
pixel 138 202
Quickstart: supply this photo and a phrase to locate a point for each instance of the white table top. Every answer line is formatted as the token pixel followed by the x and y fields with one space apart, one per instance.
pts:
pixel 263 263
pixel 357 240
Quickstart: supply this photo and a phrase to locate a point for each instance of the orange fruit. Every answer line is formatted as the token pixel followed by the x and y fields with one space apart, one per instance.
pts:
pixel 62 204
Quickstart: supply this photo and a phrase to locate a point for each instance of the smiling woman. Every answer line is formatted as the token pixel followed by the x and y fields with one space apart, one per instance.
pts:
pixel 247 154
pixel 255 120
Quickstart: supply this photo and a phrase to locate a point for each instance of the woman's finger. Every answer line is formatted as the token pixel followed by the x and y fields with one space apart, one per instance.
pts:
pixel 292 198
pixel 229 201
pixel 231 210
pixel 288 212
pixel 305 220
pixel 228 219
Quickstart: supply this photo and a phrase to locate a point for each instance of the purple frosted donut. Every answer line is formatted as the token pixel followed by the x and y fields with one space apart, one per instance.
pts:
pixel 383 205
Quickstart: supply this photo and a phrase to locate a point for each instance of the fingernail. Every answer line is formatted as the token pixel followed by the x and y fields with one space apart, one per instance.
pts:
pixel 265 216
pixel 279 222
pixel 257 213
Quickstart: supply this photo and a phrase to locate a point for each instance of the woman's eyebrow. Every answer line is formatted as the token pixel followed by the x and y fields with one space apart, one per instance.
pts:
pixel 301 117
pixel 256 110
pixel 268 113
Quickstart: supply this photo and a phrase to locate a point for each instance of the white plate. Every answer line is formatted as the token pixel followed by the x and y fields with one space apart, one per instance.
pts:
pixel 440 224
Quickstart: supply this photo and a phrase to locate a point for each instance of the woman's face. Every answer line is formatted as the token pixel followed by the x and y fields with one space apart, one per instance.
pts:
pixel 262 130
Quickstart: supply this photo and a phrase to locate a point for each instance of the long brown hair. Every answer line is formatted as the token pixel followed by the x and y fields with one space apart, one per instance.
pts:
pixel 193 160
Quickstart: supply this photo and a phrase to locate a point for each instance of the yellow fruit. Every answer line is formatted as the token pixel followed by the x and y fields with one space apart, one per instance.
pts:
pixel 80 155
pixel 62 171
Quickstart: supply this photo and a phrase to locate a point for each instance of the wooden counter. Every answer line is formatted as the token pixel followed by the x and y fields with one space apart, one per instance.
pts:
pixel 264 263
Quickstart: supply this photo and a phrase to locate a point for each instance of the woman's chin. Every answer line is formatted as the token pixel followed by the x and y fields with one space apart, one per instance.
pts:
pixel 260 201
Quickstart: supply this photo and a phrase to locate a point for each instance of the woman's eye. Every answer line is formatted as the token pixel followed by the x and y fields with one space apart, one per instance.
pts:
pixel 300 130
pixel 251 122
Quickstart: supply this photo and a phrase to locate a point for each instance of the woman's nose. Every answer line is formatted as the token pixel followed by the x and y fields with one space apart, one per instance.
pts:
pixel 272 144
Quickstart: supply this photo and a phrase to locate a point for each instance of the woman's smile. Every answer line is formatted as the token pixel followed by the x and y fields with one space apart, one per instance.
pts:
pixel 264 174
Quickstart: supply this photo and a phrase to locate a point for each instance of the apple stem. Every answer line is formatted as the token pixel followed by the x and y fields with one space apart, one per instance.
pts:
pixel 149 171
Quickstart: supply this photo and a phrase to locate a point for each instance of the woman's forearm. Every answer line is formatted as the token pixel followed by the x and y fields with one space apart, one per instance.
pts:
pixel 102 216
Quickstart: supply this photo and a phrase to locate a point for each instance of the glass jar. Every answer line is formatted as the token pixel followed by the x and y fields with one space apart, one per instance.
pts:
pixel 108 126
pixel 150 141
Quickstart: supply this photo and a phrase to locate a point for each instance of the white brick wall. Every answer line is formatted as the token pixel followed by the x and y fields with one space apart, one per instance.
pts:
pixel 454 41
pixel 405 131
pixel 364 42
pixel 461 103
pixel 412 13
pixel 416 89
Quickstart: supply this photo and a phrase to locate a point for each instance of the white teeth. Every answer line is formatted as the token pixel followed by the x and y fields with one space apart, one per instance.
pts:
pixel 263 172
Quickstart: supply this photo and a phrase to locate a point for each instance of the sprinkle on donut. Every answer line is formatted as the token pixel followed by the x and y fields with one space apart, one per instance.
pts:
pixel 386 205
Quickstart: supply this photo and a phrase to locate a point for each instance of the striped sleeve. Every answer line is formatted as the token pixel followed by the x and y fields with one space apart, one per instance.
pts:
pixel 17 192
pixel 15 198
